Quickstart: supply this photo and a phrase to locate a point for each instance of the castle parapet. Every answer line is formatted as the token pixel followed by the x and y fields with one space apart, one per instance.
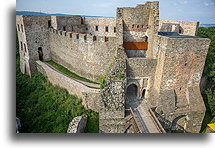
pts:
pixel 81 36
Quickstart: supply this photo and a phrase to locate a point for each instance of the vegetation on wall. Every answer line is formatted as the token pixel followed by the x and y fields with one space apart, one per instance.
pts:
pixel 69 73
pixel 209 72
pixel 44 108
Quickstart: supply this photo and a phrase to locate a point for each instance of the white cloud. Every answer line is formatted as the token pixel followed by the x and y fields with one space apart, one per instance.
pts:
pixel 206 4
pixel 183 1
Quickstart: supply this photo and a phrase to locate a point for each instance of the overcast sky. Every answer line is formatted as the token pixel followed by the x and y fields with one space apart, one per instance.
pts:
pixel 188 10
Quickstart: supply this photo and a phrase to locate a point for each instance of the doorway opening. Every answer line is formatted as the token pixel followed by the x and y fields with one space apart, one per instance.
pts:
pixel 40 53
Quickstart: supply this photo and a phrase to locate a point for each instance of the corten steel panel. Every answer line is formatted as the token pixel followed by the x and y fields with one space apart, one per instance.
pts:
pixel 136 45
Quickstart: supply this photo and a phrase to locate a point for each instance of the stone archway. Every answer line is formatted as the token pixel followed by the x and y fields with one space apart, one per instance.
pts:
pixel 131 96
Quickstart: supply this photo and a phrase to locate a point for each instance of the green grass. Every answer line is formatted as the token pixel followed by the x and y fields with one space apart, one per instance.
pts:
pixel 69 73
pixel 44 108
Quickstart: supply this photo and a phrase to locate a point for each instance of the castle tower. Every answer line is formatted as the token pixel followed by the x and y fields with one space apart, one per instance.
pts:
pixel 33 38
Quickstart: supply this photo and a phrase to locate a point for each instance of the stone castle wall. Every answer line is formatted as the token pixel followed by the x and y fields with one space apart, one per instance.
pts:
pixel 81 53
pixel 180 65
pixel 90 97
pixel 185 27
pixel 99 26
pixel 102 23
pixel 35 35
pixel 24 54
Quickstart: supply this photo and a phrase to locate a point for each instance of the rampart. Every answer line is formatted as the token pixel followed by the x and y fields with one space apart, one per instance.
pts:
pixel 90 97
pixel 184 27
pixel 85 54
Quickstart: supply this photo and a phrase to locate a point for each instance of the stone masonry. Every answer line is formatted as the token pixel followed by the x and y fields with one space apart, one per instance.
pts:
pixel 141 58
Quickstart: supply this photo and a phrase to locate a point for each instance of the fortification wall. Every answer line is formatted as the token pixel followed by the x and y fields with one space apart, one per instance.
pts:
pixel 181 63
pixel 24 54
pixel 185 27
pixel 84 54
pixel 72 23
pixel 35 30
pixel 141 71
pixel 135 22
pixel 90 97
pixel 102 24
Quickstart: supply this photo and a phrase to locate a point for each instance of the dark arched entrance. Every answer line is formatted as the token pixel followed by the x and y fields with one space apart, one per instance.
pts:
pixel 131 96
pixel 40 53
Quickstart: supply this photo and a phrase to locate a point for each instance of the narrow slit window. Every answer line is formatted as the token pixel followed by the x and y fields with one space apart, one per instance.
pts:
pixel 114 29
pixel 22 27
pixel 49 23
pixel 18 27
pixel 106 28
pixel 85 37
pixel 25 47
pixel 21 45
pixel 70 35
pixel 82 21
pixel 97 28
pixel 106 39
pixel 77 36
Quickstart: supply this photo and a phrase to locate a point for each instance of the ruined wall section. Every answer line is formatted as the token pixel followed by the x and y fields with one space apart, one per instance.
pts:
pixel 183 62
pixel 84 54
pixel 72 23
pixel 185 27
pixel 23 46
pixel 153 28
pixel 106 26
pixel 37 36
pixel 135 22
pixel 112 108
pixel 54 22
pixel 90 97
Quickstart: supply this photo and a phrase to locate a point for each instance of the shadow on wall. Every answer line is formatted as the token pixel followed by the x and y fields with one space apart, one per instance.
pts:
pixel 171 127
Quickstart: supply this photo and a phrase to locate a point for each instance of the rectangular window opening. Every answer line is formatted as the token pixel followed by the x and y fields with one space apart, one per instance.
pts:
pixel 114 29
pixel 22 27
pixel 106 28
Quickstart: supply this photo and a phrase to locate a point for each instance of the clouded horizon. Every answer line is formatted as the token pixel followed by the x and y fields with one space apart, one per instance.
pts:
pixel 187 10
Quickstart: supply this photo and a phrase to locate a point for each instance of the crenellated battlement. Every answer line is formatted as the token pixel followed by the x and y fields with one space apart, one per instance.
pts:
pixel 82 37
